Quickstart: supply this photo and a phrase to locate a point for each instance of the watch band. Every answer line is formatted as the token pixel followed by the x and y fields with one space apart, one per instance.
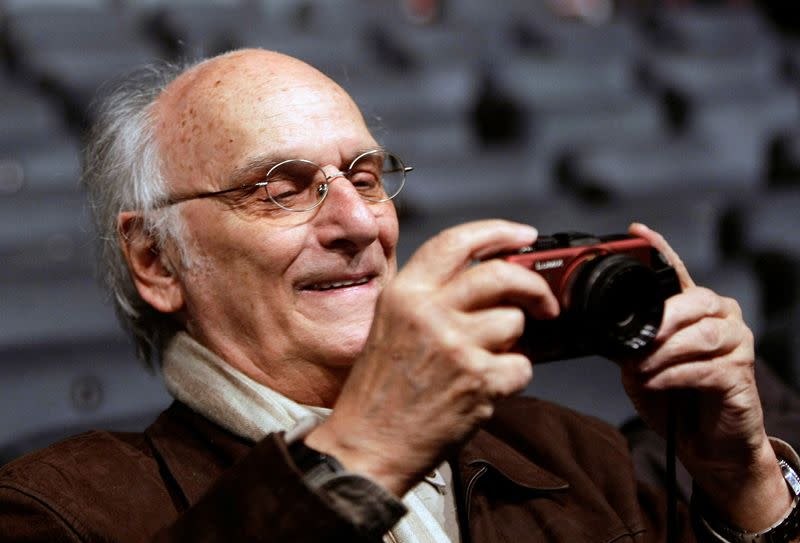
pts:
pixel 316 467
pixel 780 532
pixel 371 509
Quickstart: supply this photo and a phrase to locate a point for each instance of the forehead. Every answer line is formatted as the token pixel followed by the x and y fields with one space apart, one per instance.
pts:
pixel 253 105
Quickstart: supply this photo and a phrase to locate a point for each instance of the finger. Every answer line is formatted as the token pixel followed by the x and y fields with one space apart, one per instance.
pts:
pixel 497 282
pixel 694 304
pixel 660 244
pixel 453 249
pixel 716 373
pixel 707 338
pixel 508 374
pixel 497 329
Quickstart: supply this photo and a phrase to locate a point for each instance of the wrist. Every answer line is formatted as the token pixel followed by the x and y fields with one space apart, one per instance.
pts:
pixel 755 526
pixel 750 498
pixel 370 508
pixel 357 459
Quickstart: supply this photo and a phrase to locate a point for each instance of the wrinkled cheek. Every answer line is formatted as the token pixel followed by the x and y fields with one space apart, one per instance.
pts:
pixel 389 235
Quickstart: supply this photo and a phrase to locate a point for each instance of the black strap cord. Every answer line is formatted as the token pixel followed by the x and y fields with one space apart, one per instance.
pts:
pixel 671 475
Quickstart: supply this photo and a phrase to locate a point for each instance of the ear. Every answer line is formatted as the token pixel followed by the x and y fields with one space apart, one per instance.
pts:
pixel 151 270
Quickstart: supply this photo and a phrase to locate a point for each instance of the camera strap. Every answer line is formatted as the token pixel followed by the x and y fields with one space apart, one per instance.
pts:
pixel 671 475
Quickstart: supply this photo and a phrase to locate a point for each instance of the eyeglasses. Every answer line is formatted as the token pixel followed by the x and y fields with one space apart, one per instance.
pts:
pixel 301 185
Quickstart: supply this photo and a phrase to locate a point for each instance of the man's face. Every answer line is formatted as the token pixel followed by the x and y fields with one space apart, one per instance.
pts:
pixel 273 291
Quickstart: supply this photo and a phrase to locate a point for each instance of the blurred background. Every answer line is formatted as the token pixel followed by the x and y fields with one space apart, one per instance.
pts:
pixel 566 114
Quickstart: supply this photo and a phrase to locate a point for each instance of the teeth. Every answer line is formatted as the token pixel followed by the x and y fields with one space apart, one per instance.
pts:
pixel 338 284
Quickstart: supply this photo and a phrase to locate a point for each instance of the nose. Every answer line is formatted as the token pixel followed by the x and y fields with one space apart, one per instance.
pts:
pixel 345 221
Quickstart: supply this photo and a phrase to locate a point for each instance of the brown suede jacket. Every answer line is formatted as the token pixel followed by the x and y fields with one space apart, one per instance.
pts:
pixel 535 472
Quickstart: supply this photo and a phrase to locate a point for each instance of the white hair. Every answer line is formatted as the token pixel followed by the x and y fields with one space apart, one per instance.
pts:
pixel 122 171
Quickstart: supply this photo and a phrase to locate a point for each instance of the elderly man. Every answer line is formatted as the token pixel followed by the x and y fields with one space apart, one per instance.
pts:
pixel 250 243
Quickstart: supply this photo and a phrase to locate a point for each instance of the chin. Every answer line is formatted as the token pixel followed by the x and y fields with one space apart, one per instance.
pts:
pixel 345 346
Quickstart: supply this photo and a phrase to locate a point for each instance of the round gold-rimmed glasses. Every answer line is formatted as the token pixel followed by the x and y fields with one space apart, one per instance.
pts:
pixel 302 185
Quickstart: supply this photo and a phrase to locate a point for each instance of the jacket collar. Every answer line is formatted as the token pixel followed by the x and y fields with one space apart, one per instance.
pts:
pixel 193 450
pixel 486 450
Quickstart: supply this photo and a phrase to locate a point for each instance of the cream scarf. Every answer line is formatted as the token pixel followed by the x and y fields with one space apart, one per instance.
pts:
pixel 203 381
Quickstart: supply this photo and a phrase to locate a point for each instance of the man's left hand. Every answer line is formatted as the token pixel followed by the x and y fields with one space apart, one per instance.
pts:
pixel 704 357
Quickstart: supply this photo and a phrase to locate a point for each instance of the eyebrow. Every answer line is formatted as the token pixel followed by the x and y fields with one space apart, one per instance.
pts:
pixel 244 174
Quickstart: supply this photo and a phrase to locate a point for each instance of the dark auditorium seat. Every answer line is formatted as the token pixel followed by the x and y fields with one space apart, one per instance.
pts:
pixel 724 147
pixel 689 223
pixel 72 49
pixel 55 311
pixel 448 184
pixel 772 222
pixel 442 94
pixel 197 29
pixel 83 26
pixel 618 37
pixel 558 83
pixel 711 28
pixel 348 56
pixel 767 228
pixel 51 391
pixel 630 119
pixel 572 101
pixel 500 15
pixel 44 237
pixel 680 167
pixel 426 142
pixel 51 165
pixel 739 281
pixel 784 158
pixel 430 46
pixel 26 116
pixel 700 78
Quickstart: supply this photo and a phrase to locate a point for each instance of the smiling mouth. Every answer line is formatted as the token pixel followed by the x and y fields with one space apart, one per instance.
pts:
pixel 338 284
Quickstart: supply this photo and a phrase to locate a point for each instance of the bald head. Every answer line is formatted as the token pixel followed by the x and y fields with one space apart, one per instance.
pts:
pixel 217 113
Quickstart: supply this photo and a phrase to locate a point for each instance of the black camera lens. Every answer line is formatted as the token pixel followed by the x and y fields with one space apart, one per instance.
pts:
pixel 617 302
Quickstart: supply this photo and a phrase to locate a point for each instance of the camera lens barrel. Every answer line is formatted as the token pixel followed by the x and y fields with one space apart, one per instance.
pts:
pixel 617 305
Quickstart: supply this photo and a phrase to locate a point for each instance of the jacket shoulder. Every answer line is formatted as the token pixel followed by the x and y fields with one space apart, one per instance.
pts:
pixel 93 479
pixel 89 457
pixel 560 438
pixel 530 414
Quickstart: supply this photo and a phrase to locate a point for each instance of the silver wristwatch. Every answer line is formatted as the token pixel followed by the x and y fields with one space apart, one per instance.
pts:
pixel 781 532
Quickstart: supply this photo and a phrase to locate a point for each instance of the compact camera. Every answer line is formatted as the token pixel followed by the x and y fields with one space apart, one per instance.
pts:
pixel 611 290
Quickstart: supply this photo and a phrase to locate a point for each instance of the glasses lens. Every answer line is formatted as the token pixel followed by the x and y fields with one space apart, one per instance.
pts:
pixel 378 176
pixel 296 185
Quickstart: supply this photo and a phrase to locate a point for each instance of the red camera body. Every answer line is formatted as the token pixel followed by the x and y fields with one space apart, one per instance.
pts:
pixel 558 263
pixel 611 290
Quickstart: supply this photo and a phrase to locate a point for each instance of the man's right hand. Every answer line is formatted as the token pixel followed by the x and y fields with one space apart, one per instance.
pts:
pixel 438 355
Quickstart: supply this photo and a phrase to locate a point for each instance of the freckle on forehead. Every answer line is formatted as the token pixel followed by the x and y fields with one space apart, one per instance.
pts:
pixel 209 115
